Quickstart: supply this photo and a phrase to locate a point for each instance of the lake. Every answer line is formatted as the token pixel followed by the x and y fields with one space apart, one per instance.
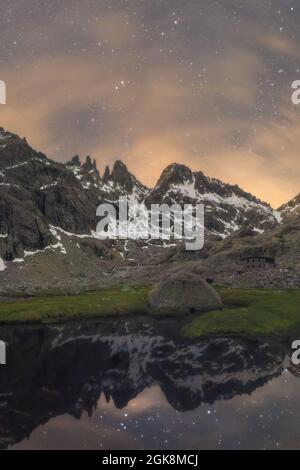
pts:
pixel 136 384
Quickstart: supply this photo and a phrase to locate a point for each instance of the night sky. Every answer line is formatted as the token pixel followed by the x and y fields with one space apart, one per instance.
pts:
pixel 201 82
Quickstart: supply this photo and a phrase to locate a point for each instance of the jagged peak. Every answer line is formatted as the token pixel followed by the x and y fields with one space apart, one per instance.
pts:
pixel 290 209
pixel 89 164
pixel 75 161
pixel 179 181
pixel 119 165
pixel 15 150
pixel 177 168
pixel 106 175
pixel 121 176
pixel 290 204
pixel 120 173
pixel 4 134
pixel 175 173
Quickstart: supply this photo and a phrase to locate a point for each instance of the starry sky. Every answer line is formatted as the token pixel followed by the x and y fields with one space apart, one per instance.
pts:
pixel 204 83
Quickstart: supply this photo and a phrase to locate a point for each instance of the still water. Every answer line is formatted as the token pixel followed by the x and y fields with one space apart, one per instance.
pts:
pixel 138 385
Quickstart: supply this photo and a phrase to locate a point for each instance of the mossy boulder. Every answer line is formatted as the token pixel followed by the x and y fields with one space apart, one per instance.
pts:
pixel 185 291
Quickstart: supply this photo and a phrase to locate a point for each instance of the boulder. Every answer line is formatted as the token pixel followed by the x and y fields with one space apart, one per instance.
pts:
pixel 185 291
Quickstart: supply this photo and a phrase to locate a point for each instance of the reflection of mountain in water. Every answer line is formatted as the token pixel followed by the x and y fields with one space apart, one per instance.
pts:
pixel 65 369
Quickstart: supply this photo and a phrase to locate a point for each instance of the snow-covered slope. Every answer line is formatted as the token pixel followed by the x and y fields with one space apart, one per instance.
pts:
pixel 291 209
pixel 227 208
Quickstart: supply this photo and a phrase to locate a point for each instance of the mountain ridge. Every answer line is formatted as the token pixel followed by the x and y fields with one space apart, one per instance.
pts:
pixel 51 185
pixel 49 208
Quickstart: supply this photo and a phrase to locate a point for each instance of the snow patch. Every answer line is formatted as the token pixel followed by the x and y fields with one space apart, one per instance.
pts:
pixel 278 216
pixel 56 246
pixel 47 186
pixel 54 231
pixel 2 265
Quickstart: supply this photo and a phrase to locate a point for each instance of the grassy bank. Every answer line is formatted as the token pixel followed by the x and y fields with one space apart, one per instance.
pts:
pixel 251 312
pixel 247 312
pixel 108 302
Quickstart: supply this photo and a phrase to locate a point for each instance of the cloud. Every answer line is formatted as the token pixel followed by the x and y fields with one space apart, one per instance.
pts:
pixel 126 82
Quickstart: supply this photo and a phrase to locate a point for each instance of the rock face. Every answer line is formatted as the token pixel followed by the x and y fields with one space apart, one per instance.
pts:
pixel 291 210
pixel 37 194
pixel 185 291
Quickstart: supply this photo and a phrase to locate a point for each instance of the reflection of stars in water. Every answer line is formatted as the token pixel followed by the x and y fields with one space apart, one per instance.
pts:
pixel 266 419
pixel 167 428
pixel 151 426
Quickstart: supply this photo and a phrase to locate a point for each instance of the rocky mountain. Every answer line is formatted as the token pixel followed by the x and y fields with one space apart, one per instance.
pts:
pixel 291 210
pixel 48 215
pixel 227 208
pixel 37 194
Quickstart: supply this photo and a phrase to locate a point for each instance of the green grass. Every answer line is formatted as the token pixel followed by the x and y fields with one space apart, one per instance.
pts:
pixel 247 312
pixel 250 312
pixel 108 302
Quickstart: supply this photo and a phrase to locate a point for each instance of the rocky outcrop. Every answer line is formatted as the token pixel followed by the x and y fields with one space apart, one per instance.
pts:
pixel 290 211
pixel 106 175
pixel 185 291
pixel 75 161
pixel 121 177
pixel 90 165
